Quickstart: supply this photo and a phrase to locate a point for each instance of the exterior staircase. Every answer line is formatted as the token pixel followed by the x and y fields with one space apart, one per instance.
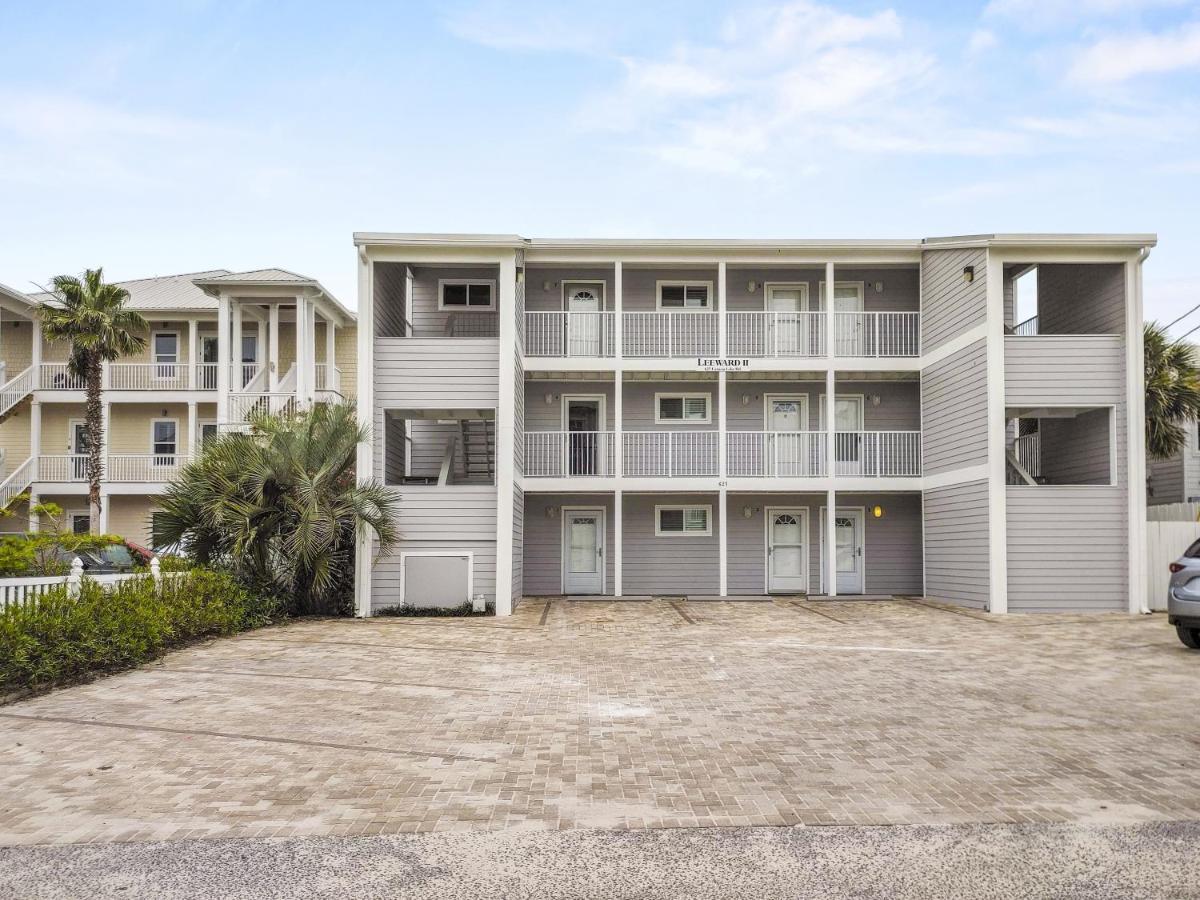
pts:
pixel 478 440
pixel 18 482
pixel 15 390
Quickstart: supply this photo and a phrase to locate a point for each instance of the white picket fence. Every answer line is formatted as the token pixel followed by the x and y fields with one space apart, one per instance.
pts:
pixel 23 591
pixel 1165 543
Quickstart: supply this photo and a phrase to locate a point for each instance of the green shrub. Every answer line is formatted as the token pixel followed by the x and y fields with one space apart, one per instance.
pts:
pixel 60 639
pixel 436 611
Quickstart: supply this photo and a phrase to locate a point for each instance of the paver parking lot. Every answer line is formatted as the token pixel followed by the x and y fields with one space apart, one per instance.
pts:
pixel 626 715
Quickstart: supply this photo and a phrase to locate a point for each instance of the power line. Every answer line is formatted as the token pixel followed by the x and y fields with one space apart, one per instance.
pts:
pixel 1185 315
pixel 1182 336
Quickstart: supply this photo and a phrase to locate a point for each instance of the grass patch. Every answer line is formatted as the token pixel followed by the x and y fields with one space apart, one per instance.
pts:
pixel 59 639
pixel 463 611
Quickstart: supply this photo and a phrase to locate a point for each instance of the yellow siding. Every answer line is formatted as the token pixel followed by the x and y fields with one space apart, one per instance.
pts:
pixel 130 518
pixel 287 346
pixel 16 347
pixel 14 438
pixel 18 521
pixel 129 426
pixel 69 504
pixel 346 355
pixel 56 434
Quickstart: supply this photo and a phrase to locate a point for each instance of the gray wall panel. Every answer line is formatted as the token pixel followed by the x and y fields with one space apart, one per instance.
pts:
pixel 950 305
pixel 956 544
pixel 954 395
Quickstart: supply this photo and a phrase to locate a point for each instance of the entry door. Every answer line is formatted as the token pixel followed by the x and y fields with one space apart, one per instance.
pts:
pixel 583 439
pixel 583 551
pixel 788 334
pixel 584 331
pixel 208 355
pixel 786 450
pixel 847 443
pixel 786 551
pixel 79 449
pixel 852 335
pixel 848 543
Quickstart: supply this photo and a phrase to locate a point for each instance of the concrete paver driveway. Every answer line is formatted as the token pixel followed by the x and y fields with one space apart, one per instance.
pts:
pixel 596 714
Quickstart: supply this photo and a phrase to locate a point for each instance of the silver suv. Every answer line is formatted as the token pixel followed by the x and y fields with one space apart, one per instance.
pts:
pixel 1183 597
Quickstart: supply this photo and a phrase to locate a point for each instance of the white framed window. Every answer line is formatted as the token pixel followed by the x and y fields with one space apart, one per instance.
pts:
pixel 684 294
pixel 672 521
pixel 208 431
pixel 466 293
pixel 81 523
pixel 166 347
pixel 695 408
pixel 164 441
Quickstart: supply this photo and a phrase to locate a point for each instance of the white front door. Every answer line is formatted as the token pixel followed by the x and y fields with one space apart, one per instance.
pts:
pixel 585 324
pixel 852 334
pixel 787 330
pixel 848 425
pixel 787 551
pixel 787 450
pixel 583 551
pixel 848 544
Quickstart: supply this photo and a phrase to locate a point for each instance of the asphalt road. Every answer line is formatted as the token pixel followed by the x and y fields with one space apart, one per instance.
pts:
pixel 959 862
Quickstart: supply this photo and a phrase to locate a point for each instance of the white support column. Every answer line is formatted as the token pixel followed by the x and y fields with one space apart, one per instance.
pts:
pixel 830 321
pixel 330 352
pixel 273 374
pixel 997 486
pixel 505 412
pixel 723 320
pixel 36 354
pixel 618 423
pixel 193 354
pixel 829 560
pixel 618 543
pixel 365 463
pixel 723 540
pixel 303 345
pixel 1135 416
pixel 618 309
pixel 35 434
pixel 193 430
pixel 223 356
pixel 237 379
pixel 310 347
pixel 35 521
pixel 722 410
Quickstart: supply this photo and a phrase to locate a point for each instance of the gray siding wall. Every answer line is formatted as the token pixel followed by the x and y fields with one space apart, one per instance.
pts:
pixel 1064 369
pixel 956 544
pixel 518 544
pixel 394 450
pixel 638 408
pixel 954 422
pixel 901 287
pixel 640 293
pixel 1081 299
pixel 388 299
pixel 1167 480
pixel 540 299
pixel 1067 549
pixel 1078 450
pixel 446 518
pixel 427 320
pixel 543 541
pixel 677 564
pixel 949 305
pixel 899 406
pixel 432 373
pixel 542 416
pixel 518 416
pixel 892 544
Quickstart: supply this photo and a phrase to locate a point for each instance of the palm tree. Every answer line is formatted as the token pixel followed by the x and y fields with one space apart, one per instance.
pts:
pixel 92 316
pixel 280 506
pixel 1172 391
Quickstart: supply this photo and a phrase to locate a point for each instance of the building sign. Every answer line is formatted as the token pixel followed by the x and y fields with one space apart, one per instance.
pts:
pixel 722 363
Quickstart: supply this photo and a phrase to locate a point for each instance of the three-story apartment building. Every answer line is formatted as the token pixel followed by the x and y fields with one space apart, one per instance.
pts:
pixel 750 418
pixel 220 344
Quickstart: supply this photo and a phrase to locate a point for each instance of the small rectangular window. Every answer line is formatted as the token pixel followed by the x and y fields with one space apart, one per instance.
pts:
pixel 166 347
pixel 683 295
pixel 81 523
pixel 682 520
pixel 164 442
pixel 682 408
pixel 477 295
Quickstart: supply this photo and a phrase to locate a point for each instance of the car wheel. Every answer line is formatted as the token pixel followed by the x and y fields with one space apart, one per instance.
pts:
pixel 1189 636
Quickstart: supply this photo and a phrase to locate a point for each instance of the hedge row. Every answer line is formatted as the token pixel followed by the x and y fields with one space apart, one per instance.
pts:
pixel 59 639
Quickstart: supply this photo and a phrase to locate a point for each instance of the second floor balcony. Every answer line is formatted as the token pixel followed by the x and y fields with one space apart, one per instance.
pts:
pixel 151 468
pixel 251 378
pixel 749 454
pixel 757 334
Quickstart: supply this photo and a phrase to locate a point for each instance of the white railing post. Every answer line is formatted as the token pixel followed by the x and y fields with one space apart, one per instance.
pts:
pixel 156 571
pixel 75 579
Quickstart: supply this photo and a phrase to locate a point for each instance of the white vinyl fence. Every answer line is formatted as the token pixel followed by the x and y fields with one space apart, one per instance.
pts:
pixel 1165 543
pixel 23 591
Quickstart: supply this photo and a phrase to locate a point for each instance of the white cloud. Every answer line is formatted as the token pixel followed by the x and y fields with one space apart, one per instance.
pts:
pixel 1121 57
pixel 1041 14
pixel 981 41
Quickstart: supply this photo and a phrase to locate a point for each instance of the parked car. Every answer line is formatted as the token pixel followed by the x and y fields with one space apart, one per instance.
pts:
pixel 1183 597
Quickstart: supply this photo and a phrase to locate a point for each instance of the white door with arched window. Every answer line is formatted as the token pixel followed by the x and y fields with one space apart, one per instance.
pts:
pixel 584 302
pixel 787 551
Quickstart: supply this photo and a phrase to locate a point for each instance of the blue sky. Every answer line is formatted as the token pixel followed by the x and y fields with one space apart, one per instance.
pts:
pixel 172 137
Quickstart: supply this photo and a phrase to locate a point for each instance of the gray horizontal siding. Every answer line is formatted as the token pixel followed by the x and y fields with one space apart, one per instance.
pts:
pixel 1067 549
pixel 639 286
pixel 1063 369
pixel 950 305
pixel 1077 450
pixel 1167 481
pixel 668 565
pixel 388 282
pixel 518 544
pixel 423 313
pixel 543 416
pixel 419 373
pixel 543 540
pixel 901 287
pixel 899 407
pixel 956 544
pixel 1081 298
pixel 954 420
pixel 540 298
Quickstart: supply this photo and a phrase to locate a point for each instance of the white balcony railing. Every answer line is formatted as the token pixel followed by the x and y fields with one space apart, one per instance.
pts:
pixel 562 334
pixel 62 468
pixel 1028 451
pixel 887 334
pixel 1027 328
pixel 17 482
pixel 242 405
pixel 206 376
pixel 150 467
pixel 558 454
pixel 58 377
pixel 775 454
pixel 13 392
pixel 776 334
pixel 669 334
pixel 328 378
pixel 669 453
pixel 877 454
pixel 148 376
